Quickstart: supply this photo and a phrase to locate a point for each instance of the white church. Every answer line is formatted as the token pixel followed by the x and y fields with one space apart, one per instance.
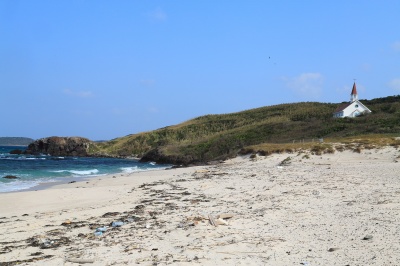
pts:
pixel 352 109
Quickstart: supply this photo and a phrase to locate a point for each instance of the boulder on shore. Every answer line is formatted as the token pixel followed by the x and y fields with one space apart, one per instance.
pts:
pixel 60 146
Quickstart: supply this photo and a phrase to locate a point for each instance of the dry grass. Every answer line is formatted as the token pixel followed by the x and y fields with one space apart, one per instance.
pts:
pixel 270 148
pixel 356 144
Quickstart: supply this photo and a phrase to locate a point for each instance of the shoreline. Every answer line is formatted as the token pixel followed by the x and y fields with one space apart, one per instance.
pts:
pixel 285 209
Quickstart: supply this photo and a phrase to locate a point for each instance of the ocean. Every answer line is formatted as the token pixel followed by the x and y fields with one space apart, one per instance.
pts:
pixel 34 170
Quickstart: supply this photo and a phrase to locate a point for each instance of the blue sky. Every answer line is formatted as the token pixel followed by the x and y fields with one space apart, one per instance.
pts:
pixel 105 69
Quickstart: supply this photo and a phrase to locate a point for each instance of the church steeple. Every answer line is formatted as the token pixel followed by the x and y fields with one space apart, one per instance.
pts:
pixel 354 94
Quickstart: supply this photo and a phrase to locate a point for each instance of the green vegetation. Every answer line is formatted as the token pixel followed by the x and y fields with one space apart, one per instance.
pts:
pixel 279 128
pixel 15 141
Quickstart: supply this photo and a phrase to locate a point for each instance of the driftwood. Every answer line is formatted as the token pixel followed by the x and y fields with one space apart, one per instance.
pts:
pixel 225 215
pixel 212 220
pixel 78 260
pixel 220 219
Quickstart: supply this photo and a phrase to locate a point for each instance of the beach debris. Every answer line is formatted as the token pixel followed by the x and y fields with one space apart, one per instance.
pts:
pixel 66 222
pixel 225 215
pixel 100 230
pixel 117 224
pixel 367 237
pixel 36 254
pixel 69 224
pixel 79 260
pixel 316 193
pixel 212 220
pixel 220 220
pixel 98 233
pixel 285 162
pixel 45 243
pixel 109 214
pixel 17 262
pixel 332 249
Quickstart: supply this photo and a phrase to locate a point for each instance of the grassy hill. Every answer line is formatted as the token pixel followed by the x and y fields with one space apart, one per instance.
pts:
pixel 212 137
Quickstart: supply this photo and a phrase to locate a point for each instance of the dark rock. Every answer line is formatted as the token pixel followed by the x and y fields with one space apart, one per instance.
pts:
pixel 60 146
pixel 10 177
pixel 16 152
pixel 157 156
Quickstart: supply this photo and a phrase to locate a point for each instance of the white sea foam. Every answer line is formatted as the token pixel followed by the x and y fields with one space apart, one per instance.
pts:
pixel 130 169
pixel 78 172
pixel 84 172
pixel 17 185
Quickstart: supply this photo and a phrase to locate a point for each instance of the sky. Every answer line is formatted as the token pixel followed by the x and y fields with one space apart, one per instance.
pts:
pixel 106 69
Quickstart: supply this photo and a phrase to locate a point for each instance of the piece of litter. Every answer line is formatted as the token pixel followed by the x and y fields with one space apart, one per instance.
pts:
pixel 117 224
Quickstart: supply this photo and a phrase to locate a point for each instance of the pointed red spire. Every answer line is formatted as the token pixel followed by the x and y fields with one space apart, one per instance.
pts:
pixel 354 90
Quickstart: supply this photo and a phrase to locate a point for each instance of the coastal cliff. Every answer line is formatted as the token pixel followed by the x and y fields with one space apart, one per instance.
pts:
pixel 60 146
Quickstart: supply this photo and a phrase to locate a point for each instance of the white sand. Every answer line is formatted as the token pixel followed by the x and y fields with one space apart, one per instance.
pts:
pixel 317 211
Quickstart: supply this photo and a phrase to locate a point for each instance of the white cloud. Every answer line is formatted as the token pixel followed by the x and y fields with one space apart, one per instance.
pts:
pixel 396 46
pixel 157 14
pixel 394 84
pixel 79 94
pixel 308 85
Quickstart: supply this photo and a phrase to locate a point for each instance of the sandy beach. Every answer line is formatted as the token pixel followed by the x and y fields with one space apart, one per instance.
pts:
pixel 282 209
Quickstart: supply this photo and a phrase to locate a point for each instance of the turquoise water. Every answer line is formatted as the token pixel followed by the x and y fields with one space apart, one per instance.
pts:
pixel 33 170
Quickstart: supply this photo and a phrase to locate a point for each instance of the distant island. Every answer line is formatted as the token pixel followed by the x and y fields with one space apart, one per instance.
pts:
pixel 15 141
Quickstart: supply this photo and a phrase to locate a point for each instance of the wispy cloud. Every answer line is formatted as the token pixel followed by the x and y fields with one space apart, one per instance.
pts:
pixel 394 84
pixel 157 15
pixel 396 46
pixel 79 94
pixel 308 85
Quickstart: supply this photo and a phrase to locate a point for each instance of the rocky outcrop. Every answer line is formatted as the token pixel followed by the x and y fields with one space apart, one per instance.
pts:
pixel 17 151
pixel 60 146
pixel 10 177
pixel 157 156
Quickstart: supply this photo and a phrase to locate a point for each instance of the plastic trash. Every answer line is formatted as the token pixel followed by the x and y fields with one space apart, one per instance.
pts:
pixel 98 233
pixel 117 224
pixel 101 229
